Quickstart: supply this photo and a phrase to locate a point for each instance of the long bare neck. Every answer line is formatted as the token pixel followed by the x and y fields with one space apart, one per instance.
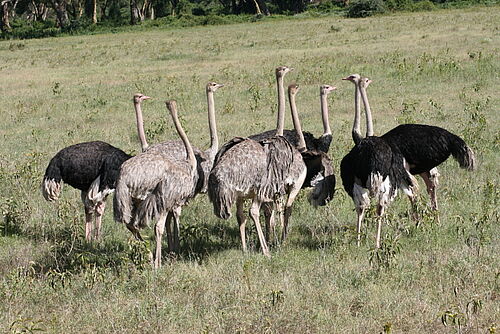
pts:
pixel 140 126
pixel 281 105
pixel 296 123
pixel 189 149
pixel 214 138
pixel 368 112
pixel 356 127
pixel 324 114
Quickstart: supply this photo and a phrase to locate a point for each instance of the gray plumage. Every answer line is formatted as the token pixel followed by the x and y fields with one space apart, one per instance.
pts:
pixel 320 172
pixel 153 185
pixel 263 171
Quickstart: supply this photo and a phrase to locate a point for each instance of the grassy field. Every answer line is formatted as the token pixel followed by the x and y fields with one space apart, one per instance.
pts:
pixel 440 68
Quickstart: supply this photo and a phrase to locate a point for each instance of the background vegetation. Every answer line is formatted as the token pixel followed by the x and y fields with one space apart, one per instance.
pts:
pixel 23 19
pixel 439 68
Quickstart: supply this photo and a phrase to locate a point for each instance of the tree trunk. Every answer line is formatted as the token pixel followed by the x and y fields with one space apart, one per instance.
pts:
pixel 4 23
pixel 134 12
pixel 94 11
pixel 61 13
pixel 263 7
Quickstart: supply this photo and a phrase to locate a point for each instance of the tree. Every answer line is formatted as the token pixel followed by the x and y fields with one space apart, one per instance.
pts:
pixel 60 7
pixel 5 6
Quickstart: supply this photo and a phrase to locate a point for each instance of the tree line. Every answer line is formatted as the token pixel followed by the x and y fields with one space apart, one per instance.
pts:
pixel 61 15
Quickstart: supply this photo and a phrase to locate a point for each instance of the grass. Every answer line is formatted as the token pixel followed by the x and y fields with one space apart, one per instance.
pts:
pixel 437 68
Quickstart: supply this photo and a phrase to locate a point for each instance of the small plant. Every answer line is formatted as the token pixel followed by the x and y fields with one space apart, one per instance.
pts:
pixel 384 256
pixel 56 89
pixel 26 325
pixel 277 297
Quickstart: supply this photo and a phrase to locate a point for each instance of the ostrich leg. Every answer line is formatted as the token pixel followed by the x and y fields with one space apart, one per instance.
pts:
pixel 242 220
pixel 99 211
pixel 176 214
pixel 89 214
pixel 159 229
pixel 254 214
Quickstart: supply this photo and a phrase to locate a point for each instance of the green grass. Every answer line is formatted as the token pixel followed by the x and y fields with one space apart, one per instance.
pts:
pixel 438 68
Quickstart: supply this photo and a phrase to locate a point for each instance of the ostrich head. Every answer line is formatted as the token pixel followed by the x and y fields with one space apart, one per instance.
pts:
pixel 282 70
pixel 172 107
pixel 326 89
pixel 213 86
pixel 354 78
pixel 138 98
pixel 364 82
pixel 293 89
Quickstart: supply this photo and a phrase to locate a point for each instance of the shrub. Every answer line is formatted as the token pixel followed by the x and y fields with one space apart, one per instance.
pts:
pixel 365 8
pixel 423 5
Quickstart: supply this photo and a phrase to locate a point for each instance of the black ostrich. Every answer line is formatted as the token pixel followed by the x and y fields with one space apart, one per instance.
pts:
pixel 373 169
pixel 91 167
pixel 425 147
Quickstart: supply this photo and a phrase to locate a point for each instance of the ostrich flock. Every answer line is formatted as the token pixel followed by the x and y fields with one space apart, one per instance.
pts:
pixel 269 168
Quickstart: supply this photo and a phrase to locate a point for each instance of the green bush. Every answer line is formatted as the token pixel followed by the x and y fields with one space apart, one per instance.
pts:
pixel 423 5
pixel 23 30
pixel 365 8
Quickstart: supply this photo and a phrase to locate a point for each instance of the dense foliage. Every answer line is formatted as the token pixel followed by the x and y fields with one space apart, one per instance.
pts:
pixel 44 18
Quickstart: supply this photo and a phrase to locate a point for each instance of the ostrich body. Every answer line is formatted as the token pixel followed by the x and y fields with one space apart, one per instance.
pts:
pixel 320 173
pixel 373 169
pixel 262 171
pixel 425 147
pixel 91 167
pixel 152 185
pixel 175 149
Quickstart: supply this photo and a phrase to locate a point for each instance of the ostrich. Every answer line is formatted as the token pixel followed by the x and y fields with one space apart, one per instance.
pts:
pixel 425 147
pixel 152 185
pixel 262 171
pixel 175 149
pixel 91 167
pixel 373 169
pixel 320 167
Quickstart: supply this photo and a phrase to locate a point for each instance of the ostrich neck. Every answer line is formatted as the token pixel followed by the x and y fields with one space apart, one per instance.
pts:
pixel 281 106
pixel 296 123
pixel 368 111
pixel 140 126
pixel 356 127
pixel 214 139
pixel 324 115
pixel 189 149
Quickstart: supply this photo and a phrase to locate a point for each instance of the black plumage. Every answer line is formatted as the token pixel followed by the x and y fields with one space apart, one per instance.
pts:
pixel 426 147
pixel 91 167
pixel 373 168
pixel 80 164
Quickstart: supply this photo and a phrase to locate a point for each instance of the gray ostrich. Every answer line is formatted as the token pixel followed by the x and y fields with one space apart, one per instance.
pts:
pixel 91 167
pixel 263 171
pixel 151 185
pixel 320 173
pixel 175 149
